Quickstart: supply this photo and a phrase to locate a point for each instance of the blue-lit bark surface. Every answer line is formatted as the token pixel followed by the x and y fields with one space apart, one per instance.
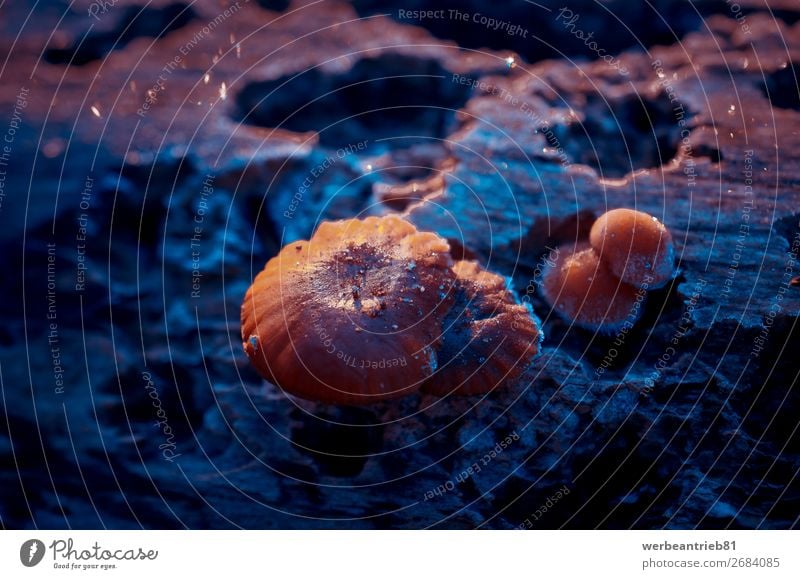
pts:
pixel 154 144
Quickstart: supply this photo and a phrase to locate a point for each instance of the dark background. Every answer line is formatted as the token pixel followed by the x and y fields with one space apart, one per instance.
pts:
pixel 713 442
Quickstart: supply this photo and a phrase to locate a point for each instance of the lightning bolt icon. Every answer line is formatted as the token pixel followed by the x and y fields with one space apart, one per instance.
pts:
pixel 32 552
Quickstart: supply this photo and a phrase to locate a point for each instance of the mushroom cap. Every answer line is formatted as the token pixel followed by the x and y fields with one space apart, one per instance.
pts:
pixel 637 247
pixel 487 338
pixel 580 288
pixel 351 316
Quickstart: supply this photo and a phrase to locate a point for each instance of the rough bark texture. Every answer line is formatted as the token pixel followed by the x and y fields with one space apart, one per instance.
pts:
pixel 687 420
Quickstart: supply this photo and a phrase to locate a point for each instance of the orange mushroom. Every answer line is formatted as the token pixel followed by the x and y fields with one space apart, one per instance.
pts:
pixel 488 338
pixel 365 310
pixel 351 316
pixel 635 246
pixel 581 288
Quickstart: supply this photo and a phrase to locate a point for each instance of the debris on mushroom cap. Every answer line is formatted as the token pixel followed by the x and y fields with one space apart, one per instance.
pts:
pixel 365 310
pixel 581 288
pixel 636 246
pixel 351 316
pixel 487 336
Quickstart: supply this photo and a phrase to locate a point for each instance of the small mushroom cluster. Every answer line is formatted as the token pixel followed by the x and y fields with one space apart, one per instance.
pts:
pixel 373 309
pixel 598 285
